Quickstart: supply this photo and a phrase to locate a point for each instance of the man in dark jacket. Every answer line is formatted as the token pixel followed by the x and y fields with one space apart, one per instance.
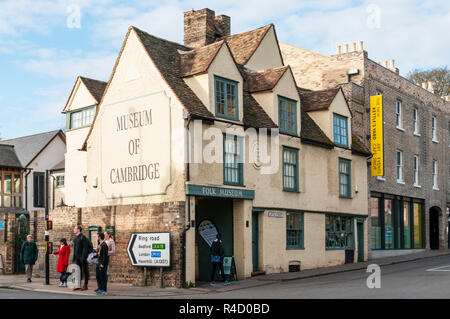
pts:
pixel 28 256
pixel 80 254
pixel 102 265
pixel 217 260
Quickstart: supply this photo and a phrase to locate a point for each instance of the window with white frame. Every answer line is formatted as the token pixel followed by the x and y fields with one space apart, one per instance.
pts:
pixel 398 114
pixel 416 170
pixel 60 180
pixel 416 121
pixel 433 129
pixel 82 118
pixel 435 170
pixel 399 166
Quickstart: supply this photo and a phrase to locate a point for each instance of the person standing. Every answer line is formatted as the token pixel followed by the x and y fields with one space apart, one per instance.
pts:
pixel 28 256
pixel 217 253
pixel 63 261
pixel 81 250
pixel 102 265
pixel 110 242
pixel 111 250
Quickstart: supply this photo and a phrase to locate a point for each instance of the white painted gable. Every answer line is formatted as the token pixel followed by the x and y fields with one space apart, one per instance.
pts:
pixel 267 55
pixel 81 97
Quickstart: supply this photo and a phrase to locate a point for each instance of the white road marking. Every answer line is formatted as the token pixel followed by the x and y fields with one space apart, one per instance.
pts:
pixel 439 268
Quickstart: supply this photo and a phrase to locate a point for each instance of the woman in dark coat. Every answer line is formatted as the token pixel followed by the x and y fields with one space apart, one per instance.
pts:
pixel 28 256
pixel 63 261
pixel 217 254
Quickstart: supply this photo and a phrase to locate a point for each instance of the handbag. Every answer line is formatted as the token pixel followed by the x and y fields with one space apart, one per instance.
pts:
pixel 215 259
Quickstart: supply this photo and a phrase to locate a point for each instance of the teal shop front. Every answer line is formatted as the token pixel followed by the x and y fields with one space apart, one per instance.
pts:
pixel 220 212
pixel 214 212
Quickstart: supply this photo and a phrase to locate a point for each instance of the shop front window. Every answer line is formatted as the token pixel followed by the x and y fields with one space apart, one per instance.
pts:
pixel 388 225
pixel 407 224
pixel 418 243
pixel 375 223
pixel 338 232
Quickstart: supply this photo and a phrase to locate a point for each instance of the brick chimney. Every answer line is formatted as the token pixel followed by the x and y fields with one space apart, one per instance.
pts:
pixel 202 27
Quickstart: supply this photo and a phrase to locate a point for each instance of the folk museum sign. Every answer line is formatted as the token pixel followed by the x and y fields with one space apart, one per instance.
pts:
pixel 135 146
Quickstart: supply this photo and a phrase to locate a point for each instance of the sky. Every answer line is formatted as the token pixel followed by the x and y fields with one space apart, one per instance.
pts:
pixel 46 44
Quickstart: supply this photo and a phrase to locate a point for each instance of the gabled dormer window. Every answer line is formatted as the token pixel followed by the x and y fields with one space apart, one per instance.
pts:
pixel 340 130
pixel 226 98
pixel 82 117
pixel 287 115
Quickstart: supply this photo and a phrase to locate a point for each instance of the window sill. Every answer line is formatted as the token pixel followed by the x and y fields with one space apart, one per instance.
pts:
pixel 381 178
pixel 231 184
pixel 435 141
pixel 400 128
pixel 345 197
pixel 337 248
pixel 417 134
pixel 295 248
pixel 78 128
pixel 401 182
pixel 293 134
pixel 342 146
pixel 291 190
pixel 417 185
pixel 436 188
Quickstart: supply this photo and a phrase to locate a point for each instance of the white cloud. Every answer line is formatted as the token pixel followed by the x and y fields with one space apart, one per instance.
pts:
pixel 412 34
pixel 66 66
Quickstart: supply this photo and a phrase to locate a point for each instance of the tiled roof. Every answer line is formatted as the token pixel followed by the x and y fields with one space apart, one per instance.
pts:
pixel 8 156
pixel 317 100
pixel 60 166
pixel 311 132
pixel 28 147
pixel 254 114
pixel 95 87
pixel 165 56
pixel 243 45
pixel 198 60
pixel 264 80
pixel 358 147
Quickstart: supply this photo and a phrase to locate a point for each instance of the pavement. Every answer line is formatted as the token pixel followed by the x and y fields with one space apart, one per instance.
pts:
pixel 203 288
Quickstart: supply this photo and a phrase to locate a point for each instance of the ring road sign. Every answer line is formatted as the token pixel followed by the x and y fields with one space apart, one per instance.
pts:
pixel 149 249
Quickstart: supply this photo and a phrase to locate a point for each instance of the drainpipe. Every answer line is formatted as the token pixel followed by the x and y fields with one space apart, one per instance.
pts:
pixel 183 268
pixel 26 187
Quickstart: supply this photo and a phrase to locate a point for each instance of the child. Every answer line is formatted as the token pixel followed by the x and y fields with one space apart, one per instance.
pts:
pixel 63 261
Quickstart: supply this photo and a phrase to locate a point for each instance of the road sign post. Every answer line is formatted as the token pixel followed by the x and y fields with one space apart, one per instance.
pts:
pixel 145 276
pixel 150 250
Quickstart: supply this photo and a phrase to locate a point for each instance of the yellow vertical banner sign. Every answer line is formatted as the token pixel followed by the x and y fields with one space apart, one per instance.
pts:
pixel 376 134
